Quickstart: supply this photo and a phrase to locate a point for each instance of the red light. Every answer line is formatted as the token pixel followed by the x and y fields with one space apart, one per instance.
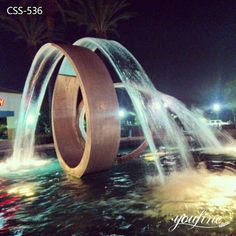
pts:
pixel 2 102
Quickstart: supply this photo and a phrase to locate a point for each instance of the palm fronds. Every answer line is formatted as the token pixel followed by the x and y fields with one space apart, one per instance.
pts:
pixel 32 30
pixel 100 16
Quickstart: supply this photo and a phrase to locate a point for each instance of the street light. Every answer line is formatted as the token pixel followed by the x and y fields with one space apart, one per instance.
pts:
pixel 216 107
pixel 122 113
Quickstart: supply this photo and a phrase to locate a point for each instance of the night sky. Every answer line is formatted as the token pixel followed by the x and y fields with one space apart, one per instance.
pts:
pixel 186 47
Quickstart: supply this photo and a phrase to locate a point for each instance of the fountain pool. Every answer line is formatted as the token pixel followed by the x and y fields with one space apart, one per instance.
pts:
pixel 126 200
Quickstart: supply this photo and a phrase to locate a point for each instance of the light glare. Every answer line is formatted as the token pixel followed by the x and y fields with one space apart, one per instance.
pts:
pixel 216 107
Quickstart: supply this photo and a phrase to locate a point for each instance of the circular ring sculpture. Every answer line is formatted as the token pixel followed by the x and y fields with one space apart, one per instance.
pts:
pixel 94 87
pixel 129 156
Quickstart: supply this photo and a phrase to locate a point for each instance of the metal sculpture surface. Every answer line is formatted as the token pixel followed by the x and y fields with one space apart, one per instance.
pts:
pixel 94 87
pixel 87 99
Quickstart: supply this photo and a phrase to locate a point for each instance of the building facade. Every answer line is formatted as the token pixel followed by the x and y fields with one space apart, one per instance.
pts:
pixel 9 112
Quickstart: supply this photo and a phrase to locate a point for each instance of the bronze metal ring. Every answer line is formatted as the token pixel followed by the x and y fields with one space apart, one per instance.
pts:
pixel 98 151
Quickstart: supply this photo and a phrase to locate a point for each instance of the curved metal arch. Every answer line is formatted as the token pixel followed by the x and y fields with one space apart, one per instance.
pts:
pixel 97 152
pixel 138 150
pixel 129 156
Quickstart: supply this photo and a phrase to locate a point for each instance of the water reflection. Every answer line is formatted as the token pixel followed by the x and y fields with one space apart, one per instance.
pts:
pixel 121 201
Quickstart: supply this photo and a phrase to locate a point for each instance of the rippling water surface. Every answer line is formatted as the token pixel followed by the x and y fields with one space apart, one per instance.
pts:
pixel 122 201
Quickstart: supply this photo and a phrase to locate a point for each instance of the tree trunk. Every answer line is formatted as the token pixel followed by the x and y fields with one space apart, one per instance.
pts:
pixel 31 51
pixel 50 26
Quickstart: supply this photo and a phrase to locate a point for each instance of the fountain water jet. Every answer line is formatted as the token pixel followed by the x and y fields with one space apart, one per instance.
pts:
pixel 192 123
pixel 37 80
pixel 133 77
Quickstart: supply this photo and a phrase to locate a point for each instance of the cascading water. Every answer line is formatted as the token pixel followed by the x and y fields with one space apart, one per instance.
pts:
pixel 148 103
pixel 133 77
pixel 37 80
pixel 192 123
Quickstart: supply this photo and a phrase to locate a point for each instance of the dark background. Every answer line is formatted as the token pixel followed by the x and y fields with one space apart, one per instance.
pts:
pixel 186 47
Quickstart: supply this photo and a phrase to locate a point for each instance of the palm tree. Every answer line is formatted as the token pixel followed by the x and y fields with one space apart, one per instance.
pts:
pixel 100 16
pixel 29 29
pixel 51 9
